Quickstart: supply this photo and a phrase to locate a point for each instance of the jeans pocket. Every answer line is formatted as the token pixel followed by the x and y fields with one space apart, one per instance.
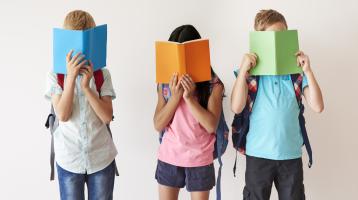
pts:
pixel 246 194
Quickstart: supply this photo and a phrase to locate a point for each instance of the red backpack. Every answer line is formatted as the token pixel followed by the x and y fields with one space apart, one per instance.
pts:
pixel 52 121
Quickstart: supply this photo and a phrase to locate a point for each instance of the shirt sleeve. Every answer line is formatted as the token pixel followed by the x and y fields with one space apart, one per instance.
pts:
pixel 304 82
pixel 52 86
pixel 107 87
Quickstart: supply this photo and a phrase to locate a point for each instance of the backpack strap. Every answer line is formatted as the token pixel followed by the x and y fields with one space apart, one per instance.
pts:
pixel 297 80
pixel 98 79
pixel 61 80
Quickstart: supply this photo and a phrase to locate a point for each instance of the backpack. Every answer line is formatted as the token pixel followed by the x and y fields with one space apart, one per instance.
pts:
pixel 52 121
pixel 222 133
pixel 241 122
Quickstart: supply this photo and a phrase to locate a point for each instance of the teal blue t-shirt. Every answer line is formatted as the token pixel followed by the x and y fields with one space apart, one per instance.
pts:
pixel 274 127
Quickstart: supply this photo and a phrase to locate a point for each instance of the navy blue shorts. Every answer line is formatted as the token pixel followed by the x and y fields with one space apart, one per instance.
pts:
pixel 194 178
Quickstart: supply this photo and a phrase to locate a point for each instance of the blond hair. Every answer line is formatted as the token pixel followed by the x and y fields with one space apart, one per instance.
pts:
pixel 78 20
pixel 266 18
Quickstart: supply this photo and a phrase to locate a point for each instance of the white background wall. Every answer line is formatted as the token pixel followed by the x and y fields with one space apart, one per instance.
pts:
pixel 328 32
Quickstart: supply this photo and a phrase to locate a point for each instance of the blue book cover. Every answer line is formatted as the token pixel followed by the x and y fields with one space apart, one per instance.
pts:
pixel 91 42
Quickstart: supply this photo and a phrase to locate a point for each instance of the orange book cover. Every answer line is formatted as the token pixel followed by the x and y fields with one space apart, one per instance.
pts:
pixel 192 57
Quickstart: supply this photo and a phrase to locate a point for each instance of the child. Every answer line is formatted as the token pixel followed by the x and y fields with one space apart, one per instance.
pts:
pixel 274 140
pixel 84 149
pixel 189 119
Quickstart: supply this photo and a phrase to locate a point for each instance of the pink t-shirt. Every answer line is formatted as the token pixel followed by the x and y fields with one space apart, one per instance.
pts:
pixel 185 142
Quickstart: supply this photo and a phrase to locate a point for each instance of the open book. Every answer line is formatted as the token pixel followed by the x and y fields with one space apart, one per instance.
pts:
pixel 192 57
pixel 276 52
pixel 91 42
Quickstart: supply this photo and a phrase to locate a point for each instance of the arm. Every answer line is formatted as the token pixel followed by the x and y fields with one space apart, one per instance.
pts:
pixel 164 111
pixel 240 90
pixel 312 93
pixel 208 118
pixel 102 106
pixel 63 103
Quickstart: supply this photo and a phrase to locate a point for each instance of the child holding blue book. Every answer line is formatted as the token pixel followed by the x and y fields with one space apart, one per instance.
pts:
pixel 83 146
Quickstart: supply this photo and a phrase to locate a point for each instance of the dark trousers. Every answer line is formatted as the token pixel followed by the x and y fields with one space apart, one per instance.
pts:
pixel 287 175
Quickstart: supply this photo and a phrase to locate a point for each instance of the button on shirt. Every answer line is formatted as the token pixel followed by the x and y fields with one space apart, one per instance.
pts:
pixel 83 143
pixel 274 127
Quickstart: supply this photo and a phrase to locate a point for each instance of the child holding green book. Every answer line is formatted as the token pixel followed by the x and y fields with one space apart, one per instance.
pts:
pixel 274 139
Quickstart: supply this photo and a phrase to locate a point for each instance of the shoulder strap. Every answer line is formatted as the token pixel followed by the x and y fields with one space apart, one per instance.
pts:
pixel 98 79
pixel 61 80
pixel 297 86
pixel 252 84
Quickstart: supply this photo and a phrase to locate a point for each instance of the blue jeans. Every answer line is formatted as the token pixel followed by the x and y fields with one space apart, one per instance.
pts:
pixel 99 185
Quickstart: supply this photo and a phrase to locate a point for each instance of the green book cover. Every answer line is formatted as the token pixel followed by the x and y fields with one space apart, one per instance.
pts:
pixel 275 51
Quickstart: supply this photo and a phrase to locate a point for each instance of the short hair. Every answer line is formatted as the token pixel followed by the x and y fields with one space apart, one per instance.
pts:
pixel 266 18
pixel 78 20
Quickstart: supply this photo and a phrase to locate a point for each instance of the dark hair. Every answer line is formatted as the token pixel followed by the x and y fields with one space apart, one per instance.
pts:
pixel 186 33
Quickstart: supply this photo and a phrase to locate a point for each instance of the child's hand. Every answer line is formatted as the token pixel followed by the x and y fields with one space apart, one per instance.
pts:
pixel 87 73
pixel 303 61
pixel 189 87
pixel 74 64
pixel 248 62
pixel 175 87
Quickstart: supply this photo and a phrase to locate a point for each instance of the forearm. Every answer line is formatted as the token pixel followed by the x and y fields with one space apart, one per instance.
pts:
pixel 65 103
pixel 315 99
pixel 163 116
pixel 102 108
pixel 239 93
pixel 206 119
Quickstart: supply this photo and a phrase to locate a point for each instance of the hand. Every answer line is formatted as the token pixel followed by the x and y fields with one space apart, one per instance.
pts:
pixel 189 87
pixel 175 87
pixel 87 72
pixel 74 64
pixel 248 62
pixel 303 61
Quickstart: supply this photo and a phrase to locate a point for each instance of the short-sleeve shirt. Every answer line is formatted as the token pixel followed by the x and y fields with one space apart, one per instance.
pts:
pixel 83 143
pixel 185 142
pixel 274 131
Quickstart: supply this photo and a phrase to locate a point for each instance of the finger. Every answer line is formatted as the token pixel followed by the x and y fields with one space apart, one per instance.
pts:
pixel 82 64
pixel 79 59
pixel 90 63
pixel 83 72
pixel 299 53
pixel 175 79
pixel 253 55
pixel 191 82
pixel 68 56
pixel 73 59
pixel 252 59
pixel 89 67
pixel 184 86
pixel 171 81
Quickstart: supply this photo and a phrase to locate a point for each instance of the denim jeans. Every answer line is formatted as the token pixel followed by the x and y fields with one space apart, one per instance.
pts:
pixel 99 184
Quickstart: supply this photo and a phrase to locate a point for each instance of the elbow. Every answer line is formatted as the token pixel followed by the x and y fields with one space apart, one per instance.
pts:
pixel 158 127
pixel 237 108
pixel 319 109
pixel 107 119
pixel 63 118
pixel 211 130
